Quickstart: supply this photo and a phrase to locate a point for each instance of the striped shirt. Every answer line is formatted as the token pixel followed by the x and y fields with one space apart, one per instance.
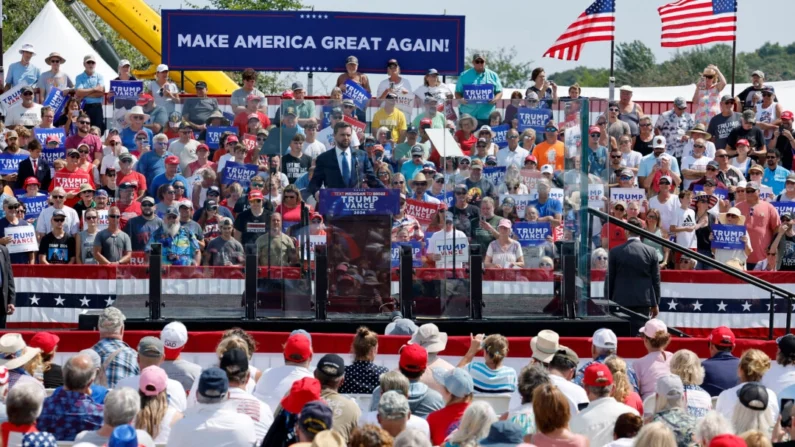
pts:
pixel 125 364
pixel 487 380
pixel 259 412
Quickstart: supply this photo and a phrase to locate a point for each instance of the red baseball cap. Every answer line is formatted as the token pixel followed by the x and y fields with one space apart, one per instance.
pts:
pixel 595 129
pixel 413 358
pixel 202 147
pixel 31 181
pixel 426 122
pixel 253 116
pixel 597 374
pixel 253 97
pixel 51 138
pixel 722 336
pixel 232 139
pixel 144 99
pixel 297 349
pixel 531 158
pixel 287 94
pixel 46 341
pixel 255 194
pixel 727 441
pixel 743 141
pixel 172 160
pixel 302 392
pixel 787 115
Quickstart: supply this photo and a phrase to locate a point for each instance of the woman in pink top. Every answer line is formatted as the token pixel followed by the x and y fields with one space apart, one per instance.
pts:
pixel 656 363
pixel 552 415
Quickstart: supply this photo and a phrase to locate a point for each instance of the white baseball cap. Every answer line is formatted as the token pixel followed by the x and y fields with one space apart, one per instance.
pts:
pixel 174 335
pixel 124 63
pixel 658 141
pixel 162 68
pixel 605 338
pixel 547 169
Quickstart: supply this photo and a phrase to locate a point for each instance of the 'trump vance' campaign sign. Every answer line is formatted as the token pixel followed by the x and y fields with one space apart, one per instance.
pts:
pixel 359 202
pixel 23 239
pixel 479 93
pixel 311 41
pixel 532 233
pixel 214 135
pixel 727 237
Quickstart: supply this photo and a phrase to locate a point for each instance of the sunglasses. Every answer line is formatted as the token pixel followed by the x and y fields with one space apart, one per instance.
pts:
pixel 480 61
pixel 290 197
pixel 74 156
pixel 114 216
pixel 84 122
pixel 459 193
pixel 60 219
pixel 171 192
pixel 615 156
pixel 464 162
pixel 138 118
pixel 257 185
pixel 665 183
pixel 750 191
pixel 399 183
pixel 314 221
pixel 625 177
pixel 613 109
pixel 92 217
pixel 550 129
pixel 767 94
pixel 595 135
pixel 646 125
pixel 256 201
pixel 58 197
pixel 711 169
pixel 699 146
pixel 13 207
pixel 651 216
pixel 179 187
pixel 420 183
pixel 83 152
pixel 721 156
pixel 708 76
pixel 619 208
pixel 732 216
pixel 142 139
pixel 146 205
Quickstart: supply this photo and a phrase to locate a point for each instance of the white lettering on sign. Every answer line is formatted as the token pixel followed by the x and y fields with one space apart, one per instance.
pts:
pixel 203 40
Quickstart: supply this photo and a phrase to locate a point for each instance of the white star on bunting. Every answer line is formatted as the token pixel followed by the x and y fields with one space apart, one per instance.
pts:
pixel 746 306
pixel 109 302
pixel 59 301
pixel 672 305
pixel 697 306
pixel 34 300
pixel 722 306
pixel 84 301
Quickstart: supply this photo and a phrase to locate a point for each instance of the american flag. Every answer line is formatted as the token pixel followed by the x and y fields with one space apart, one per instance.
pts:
pixel 697 22
pixel 596 24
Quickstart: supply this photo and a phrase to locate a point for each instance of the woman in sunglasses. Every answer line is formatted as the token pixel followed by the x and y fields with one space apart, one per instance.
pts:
pixel 768 113
pixel 706 98
pixel 68 119
pixel 465 135
pixel 84 240
pixel 85 162
pixel 291 206
pixel 399 183
pixel 599 259
pixel 653 227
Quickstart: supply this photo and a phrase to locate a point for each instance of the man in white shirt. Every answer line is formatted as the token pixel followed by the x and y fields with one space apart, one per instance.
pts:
pixel 326 136
pixel 276 382
pixel 782 373
pixel 513 154
pixel 562 369
pixel 684 227
pixel 665 203
pixel 695 166
pixel 444 244
pixel 212 422
pixel 151 352
pixel 25 112
pixel 185 146
pixel 598 420
pixel 312 147
pixel 235 363
pixel 43 223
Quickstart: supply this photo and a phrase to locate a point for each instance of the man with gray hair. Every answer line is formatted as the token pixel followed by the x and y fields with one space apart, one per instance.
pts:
pixel 151 352
pixel 212 422
pixel 98 388
pixel 70 409
pixel 118 358
pixel 395 381
pixel 393 412
pixel 597 421
pixel 604 343
pixel 121 407
pixel 712 425
pixel 23 404
pixel 412 438
pixel 58 199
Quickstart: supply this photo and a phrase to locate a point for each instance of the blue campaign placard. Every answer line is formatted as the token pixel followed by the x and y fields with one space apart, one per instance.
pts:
pixel 416 253
pixel 719 192
pixel 448 198
pixel 318 41
pixel 126 89
pixel 358 202
pixel 784 207
pixel 9 164
pixel 727 237
pixel 238 173
pixel 535 119
pixel 532 234
pixel 495 174
pixel 214 134
pixel 501 137
pixel 326 118
pixel 33 205
pixel 50 155
pixel 56 99
pixel 42 134
pixel 478 93
pixel 356 93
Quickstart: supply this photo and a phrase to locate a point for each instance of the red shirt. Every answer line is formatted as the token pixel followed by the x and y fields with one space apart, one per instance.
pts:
pixel 291 214
pixel 218 154
pixel 136 178
pixel 615 234
pixel 466 143
pixel 70 181
pixel 761 227
pixel 93 142
pixel 443 422
pixel 241 121
pixel 195 166
pixel 128 212
pixel 7 428
pixel 633 400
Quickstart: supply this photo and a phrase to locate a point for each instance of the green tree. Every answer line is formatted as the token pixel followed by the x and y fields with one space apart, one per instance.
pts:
pixel 634 63
pixel 586 77
pixel 503 61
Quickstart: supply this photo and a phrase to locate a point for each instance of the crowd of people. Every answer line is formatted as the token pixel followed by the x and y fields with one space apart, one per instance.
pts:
pixel 157 174
pixel 114 394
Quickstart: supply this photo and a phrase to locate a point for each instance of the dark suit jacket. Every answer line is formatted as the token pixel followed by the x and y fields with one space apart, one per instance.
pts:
pixel 327 171
pixel 633 275
pixel 26 170
pixel 9 291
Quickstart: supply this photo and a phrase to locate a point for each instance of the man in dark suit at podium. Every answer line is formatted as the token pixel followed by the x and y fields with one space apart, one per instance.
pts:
pixel 35 166
pixel 634 275
pixel 343 166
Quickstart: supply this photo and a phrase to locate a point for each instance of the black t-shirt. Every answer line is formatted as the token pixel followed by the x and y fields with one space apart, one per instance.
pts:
pixel 783 145
pixel 53 377
pixel 787 253
pixel 746 96
pixel 784 444
pixel 466 219
pixel 294 167
pixel 755 137
pixel 721 126
pixel 644 147
pixel 57 250
pixel 252 227
pixel 111 195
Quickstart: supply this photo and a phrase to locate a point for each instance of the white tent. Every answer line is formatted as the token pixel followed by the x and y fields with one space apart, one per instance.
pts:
pixel 52 31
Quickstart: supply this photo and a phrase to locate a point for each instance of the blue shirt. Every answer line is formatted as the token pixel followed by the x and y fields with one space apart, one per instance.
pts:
pixel 67 413
pixel 550 208
pixel 720 373
pixel 98 393
pixel 127 136
pixel 151 165
pixel 597 160
pixel 777 179
pixel 472 77
pixel 409 170
pixel 648 162
pixel 83 80
pixel 18 73
pixel 161 179
pixel 177 250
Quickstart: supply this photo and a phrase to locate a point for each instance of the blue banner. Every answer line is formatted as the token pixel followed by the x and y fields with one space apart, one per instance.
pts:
pixel 126 89
pixel 214 134
pixel 719 192
pixel 311 41
pixel 237 172
pixel 478 93
pixel 535 119
pixel 784 207
pixel 448 198
pixel 57 100
pixel 9 164
pixel 356 93
pixel 42 134
pixel 501 137
pixel 416 253
pixel 326 119
pixel 50 155
pixel 358 202
pixel 532 233
pixel 495 174
pixel 727 237
pixel 33 205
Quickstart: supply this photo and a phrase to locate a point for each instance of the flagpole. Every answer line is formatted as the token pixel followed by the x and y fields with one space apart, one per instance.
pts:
pixel 734 61
pixel 612 79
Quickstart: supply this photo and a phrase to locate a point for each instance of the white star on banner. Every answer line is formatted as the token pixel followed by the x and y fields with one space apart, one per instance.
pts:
pixel 109 302
pixel 302 16
pixel 84 301
pixel 302 68
pixel 768 307
pixel 325 16
pixel 672 305
pixel 746 306
pixel 34 300
pixel 59 301
pixel 697 305
pixel 722 306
